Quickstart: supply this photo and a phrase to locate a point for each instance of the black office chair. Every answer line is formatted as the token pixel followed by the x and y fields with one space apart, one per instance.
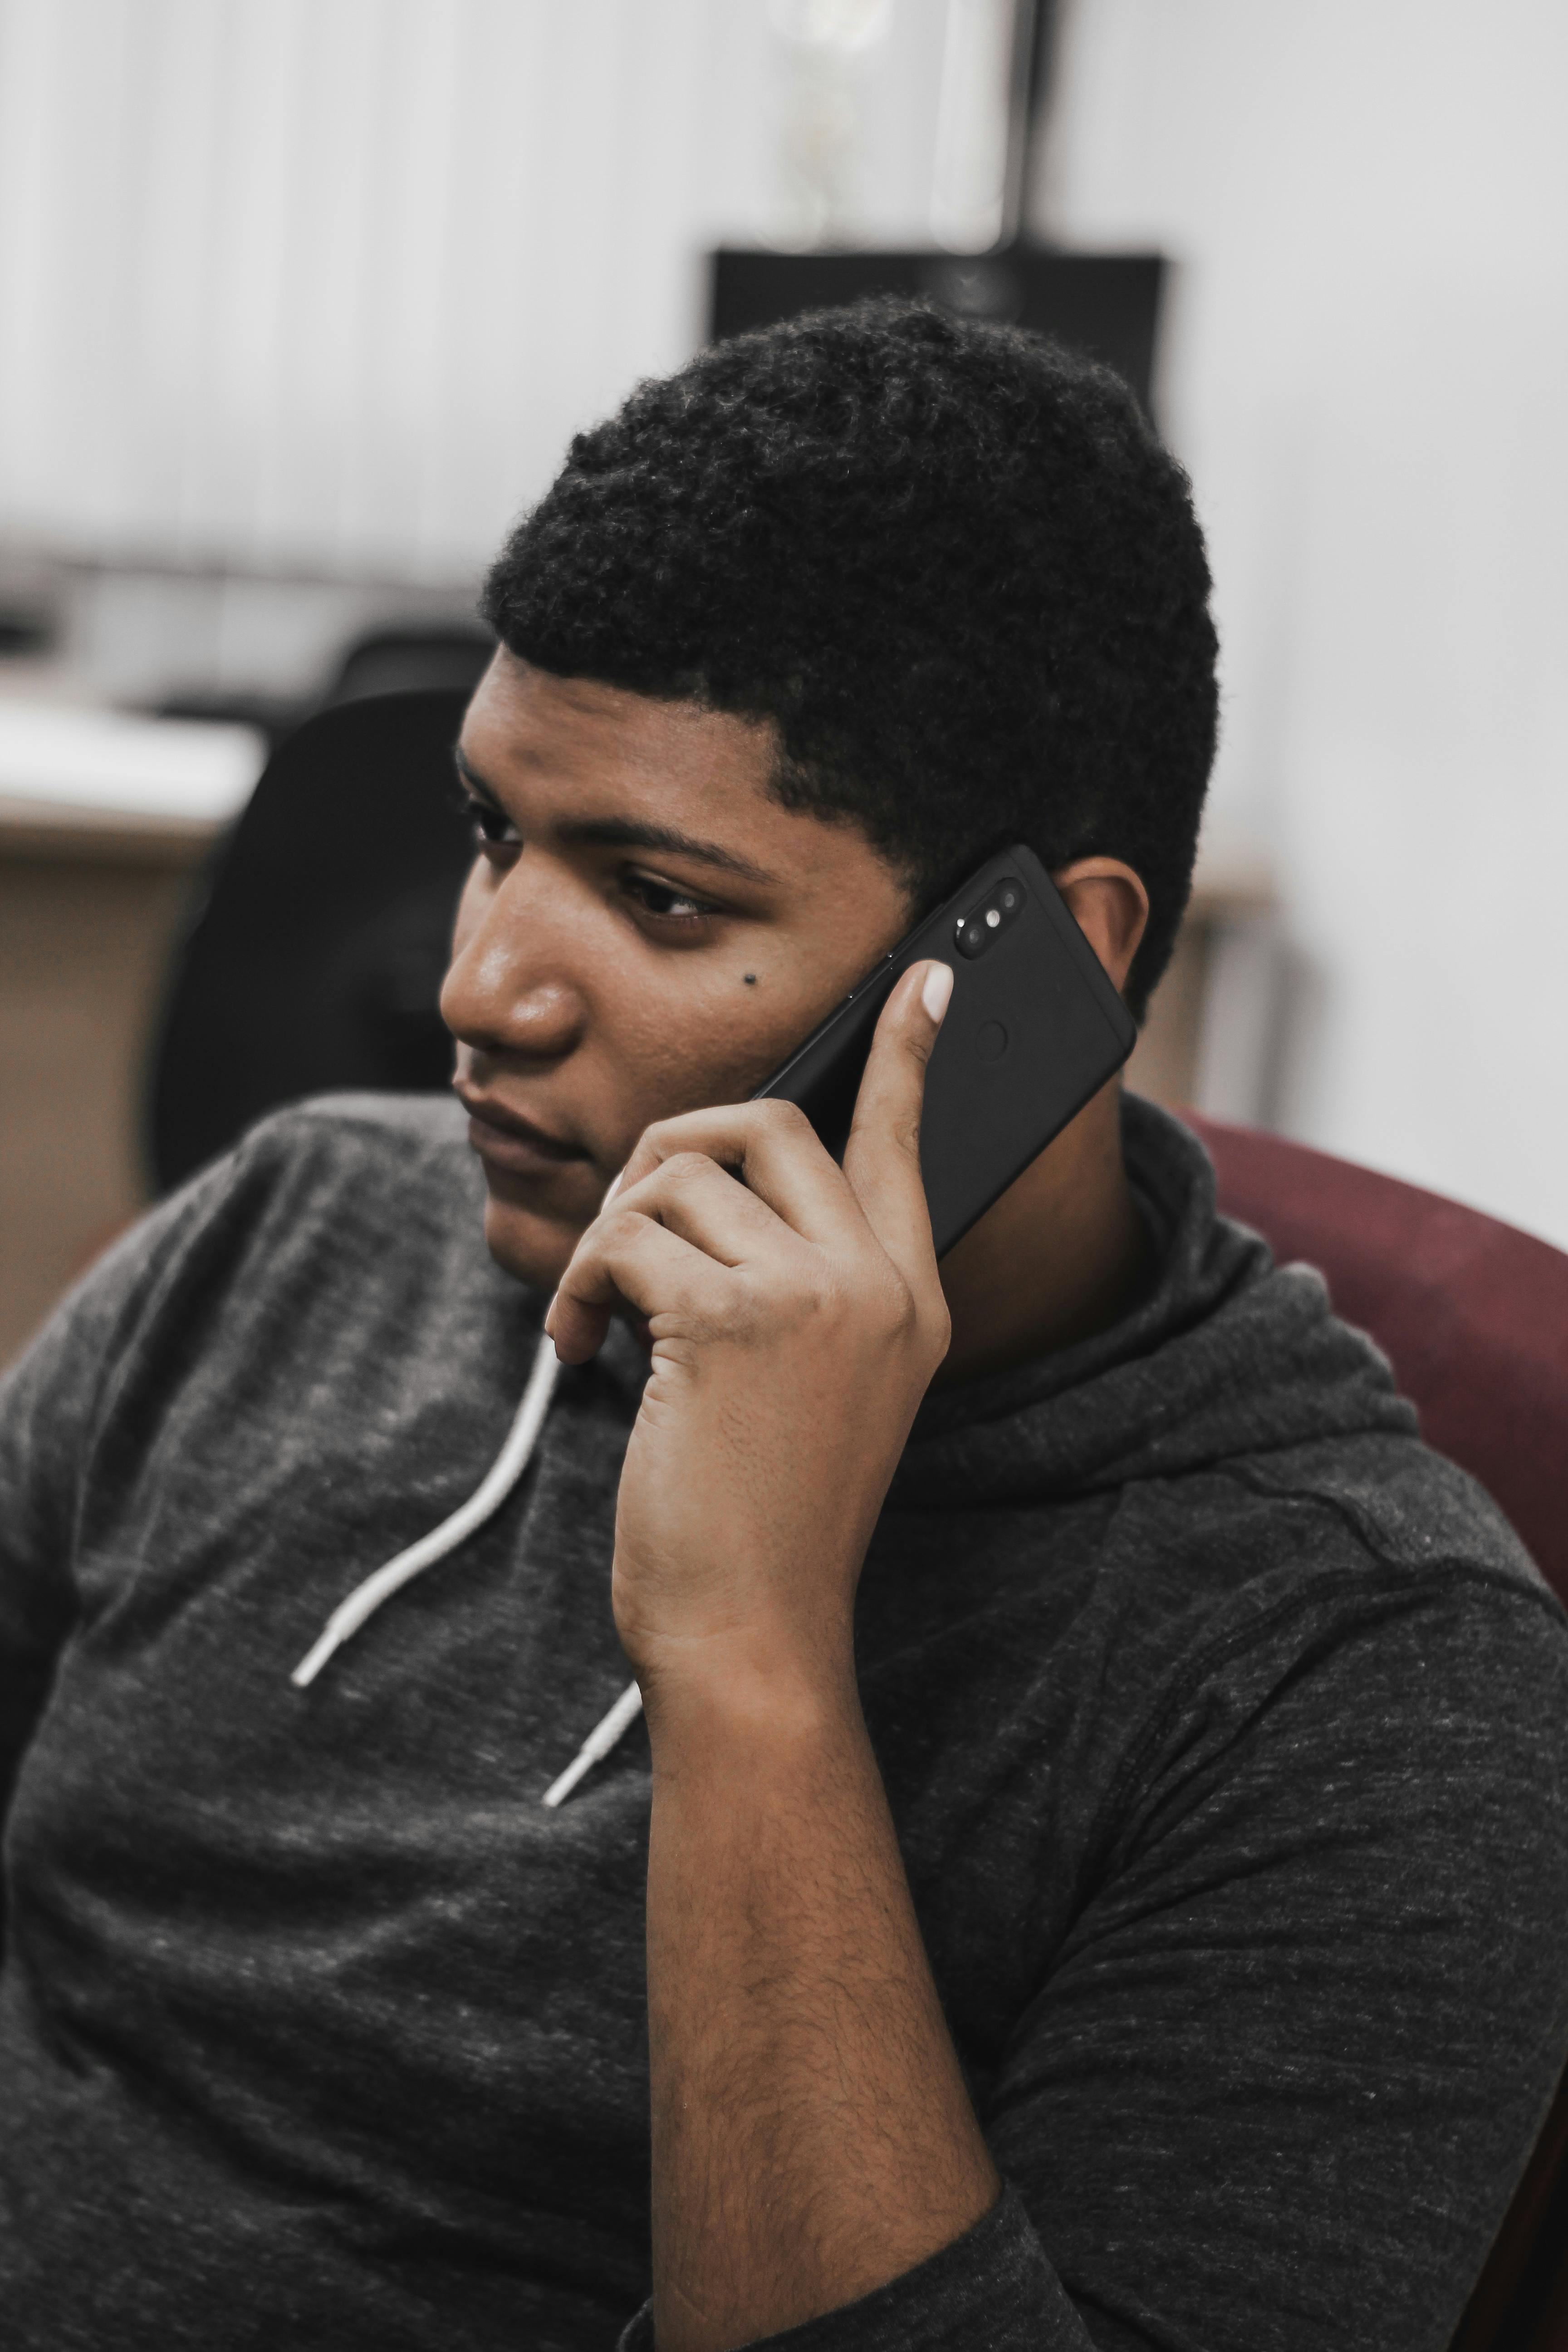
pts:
pixel 315 955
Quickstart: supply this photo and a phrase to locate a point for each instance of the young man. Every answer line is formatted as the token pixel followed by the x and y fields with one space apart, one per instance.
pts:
pixel 1098 1828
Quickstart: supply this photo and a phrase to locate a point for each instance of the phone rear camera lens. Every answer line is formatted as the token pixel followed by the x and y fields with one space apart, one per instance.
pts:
pixel 975 932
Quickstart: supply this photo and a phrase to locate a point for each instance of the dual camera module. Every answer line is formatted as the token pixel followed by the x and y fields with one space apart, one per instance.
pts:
pixel 974 933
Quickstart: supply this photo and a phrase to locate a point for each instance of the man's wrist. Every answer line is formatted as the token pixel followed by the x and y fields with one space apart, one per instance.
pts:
pixel 723 1698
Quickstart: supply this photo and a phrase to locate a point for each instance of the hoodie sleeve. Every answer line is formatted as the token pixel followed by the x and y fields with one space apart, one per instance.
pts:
pixel 51 1402
pixel 1280 2080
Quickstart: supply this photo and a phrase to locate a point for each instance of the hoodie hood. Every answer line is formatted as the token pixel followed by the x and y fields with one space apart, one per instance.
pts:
pixel 1227 1354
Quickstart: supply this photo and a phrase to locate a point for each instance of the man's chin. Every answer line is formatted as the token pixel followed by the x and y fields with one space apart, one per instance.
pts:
pixel 531 1247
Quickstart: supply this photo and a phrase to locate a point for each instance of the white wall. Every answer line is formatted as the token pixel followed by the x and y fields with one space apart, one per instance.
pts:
pixel 1367 374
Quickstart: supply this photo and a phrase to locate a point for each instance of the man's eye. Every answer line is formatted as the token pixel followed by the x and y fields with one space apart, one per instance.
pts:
pixel 661 899
pixel 493 829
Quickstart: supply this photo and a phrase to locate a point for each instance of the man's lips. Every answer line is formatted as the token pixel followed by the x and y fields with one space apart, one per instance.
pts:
pixel 507 1139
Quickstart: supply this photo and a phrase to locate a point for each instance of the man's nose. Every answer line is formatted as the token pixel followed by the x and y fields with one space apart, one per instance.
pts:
pixel 509 988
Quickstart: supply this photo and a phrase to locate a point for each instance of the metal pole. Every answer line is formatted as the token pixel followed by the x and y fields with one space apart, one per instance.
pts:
pixel 1028 97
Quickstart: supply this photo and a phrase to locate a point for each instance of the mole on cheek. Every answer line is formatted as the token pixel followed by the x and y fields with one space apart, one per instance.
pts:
pixel 751 980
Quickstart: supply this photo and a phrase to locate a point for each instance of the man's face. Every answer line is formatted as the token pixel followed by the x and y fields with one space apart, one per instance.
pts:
pixel 644 931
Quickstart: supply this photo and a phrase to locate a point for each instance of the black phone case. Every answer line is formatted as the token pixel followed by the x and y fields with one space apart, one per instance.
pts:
pixel 1034 1027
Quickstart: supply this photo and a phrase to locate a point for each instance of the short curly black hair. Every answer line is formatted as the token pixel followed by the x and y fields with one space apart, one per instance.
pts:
pixel 949 561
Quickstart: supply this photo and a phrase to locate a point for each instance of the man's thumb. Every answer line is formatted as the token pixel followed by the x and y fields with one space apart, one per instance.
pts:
pixel 881 1159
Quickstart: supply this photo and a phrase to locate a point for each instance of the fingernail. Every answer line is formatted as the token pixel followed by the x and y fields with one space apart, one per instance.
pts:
pixel 615 1186
pixel 935 990
pixel 550 1311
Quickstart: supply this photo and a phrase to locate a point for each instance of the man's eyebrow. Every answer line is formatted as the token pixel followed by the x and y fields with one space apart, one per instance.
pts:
pixel 626 832
pixel 471 776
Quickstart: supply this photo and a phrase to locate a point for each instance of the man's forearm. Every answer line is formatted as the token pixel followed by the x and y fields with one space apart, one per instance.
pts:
pixel 812 2135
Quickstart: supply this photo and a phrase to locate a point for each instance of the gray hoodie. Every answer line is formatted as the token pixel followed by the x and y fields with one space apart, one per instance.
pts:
pixel 1226 1729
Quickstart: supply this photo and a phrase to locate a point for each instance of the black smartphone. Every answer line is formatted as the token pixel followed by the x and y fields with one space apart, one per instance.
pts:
pixel 1034 1027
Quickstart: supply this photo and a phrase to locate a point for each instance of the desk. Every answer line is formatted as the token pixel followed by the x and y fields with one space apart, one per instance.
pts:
pixel 88 917
pixel 104 819
pixel 1209 1037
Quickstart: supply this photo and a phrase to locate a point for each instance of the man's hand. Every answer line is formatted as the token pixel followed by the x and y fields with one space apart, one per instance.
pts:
pixel 812 2135
pixel 798 1318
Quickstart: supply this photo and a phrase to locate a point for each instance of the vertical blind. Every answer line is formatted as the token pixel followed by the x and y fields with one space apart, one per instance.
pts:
pixel 326 285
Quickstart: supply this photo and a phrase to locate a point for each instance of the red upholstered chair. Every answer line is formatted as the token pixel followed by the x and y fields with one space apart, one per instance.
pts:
pixel 1474 1317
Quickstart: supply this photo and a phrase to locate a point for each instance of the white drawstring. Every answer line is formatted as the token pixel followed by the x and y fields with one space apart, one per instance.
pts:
pixel 482 1504
pixel 599 1744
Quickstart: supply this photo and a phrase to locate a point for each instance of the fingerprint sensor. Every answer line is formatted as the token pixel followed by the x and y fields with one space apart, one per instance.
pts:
pixel 990 1041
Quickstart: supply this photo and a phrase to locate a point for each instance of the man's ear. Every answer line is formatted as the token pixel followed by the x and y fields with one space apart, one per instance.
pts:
pixel 1111 907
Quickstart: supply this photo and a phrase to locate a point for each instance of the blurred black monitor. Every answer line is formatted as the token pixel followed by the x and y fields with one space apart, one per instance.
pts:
pixel 419 657
pixel 1106 304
